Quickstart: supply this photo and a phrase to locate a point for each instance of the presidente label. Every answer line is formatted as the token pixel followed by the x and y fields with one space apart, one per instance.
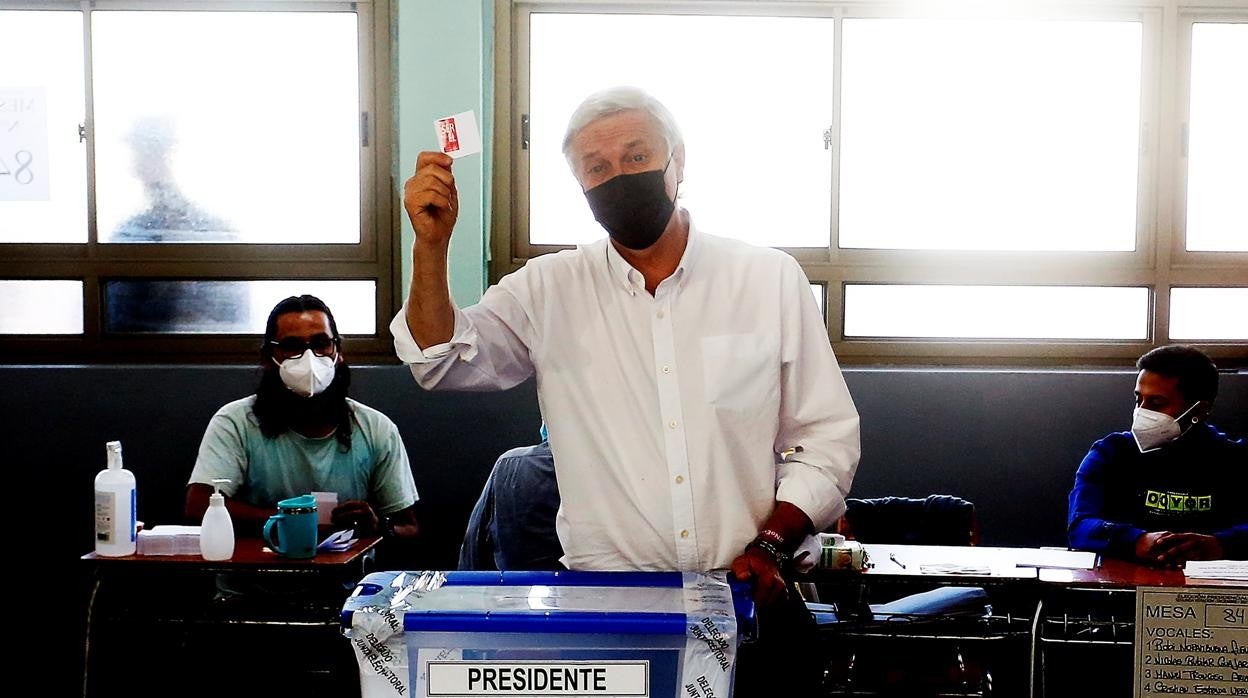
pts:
pixel 609 679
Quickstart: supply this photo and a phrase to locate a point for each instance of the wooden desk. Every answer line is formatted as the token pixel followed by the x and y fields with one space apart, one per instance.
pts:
pixel 928 561
pixel 915 563
pixel 1121 574
pixel 155 622
pixel 250 554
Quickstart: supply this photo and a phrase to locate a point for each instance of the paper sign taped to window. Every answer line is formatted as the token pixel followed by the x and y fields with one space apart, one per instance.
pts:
pixel 23 144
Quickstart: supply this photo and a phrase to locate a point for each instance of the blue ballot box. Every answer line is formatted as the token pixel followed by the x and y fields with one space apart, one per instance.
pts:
pixel 456 634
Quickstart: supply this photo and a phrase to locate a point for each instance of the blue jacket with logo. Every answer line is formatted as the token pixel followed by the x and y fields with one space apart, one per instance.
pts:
pixel 1196 484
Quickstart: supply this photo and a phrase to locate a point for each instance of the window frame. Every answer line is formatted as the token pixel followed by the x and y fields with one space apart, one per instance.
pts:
pixel 1158 261
pixel 373 258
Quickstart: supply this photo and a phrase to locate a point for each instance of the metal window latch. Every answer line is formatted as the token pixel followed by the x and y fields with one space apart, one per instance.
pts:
pixel 524 131
pixel 82 132
pixel 363 129
pixel 827 138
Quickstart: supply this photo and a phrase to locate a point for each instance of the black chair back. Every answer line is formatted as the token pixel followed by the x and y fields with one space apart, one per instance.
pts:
pixel 938 519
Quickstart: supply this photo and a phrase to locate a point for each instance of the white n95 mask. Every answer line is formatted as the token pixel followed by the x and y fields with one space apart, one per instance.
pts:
pixel 1152 430
pixel 308 375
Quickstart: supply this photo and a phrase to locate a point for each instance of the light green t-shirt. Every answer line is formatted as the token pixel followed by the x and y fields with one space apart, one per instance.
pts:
pixel 263 471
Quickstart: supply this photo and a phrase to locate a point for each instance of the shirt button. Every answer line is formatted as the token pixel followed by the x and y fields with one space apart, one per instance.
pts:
pixel 667 369
pixel 680 479
pixel 673 424
pixel 684 533
pixel 659 315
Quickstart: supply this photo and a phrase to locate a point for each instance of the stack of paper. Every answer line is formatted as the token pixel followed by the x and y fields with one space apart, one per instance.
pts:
pixel 169 540
pixel 1217 569
pixel 337 542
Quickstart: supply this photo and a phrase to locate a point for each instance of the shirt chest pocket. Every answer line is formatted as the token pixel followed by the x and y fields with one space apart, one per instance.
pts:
pixel 741 371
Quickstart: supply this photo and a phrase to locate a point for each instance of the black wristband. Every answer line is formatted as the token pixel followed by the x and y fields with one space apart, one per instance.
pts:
pixel 781 557
pixel 772 537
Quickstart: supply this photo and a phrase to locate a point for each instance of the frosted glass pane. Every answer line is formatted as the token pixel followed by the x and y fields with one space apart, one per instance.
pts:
pixel 40 307
pixel 227 127
pixel 741 88
pixel 43 165
pixel 229 307
pixel 1209 313
pixel 1217 181
pixel 989 135
pixel 996 312
pixel 817 289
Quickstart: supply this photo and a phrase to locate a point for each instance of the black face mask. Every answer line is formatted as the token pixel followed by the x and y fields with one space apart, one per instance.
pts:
pixel 633 208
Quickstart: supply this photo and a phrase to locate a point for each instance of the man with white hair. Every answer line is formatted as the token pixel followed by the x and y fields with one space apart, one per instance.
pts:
pixel 673 366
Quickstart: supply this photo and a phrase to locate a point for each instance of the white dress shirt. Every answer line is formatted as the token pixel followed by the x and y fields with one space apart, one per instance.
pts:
pixel 667 412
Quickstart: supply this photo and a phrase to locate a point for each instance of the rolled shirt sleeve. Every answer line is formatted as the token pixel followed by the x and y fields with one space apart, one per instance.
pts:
pixel 409 351
pixel 488 350
pixel 818 420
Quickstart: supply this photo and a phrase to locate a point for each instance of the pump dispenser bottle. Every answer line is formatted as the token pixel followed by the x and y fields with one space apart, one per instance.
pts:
pixel 114 507
pixel 216 533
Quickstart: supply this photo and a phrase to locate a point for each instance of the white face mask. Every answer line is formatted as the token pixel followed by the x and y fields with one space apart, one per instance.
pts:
pixel 309 374
pixel 1152 430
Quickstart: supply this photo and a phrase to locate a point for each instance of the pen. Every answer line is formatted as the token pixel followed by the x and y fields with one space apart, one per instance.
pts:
pixel 893 557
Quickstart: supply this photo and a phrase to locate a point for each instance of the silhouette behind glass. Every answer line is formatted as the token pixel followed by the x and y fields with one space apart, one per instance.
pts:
pixel 170 217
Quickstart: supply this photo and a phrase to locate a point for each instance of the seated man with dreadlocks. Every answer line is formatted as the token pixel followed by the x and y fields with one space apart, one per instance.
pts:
pixel 300 433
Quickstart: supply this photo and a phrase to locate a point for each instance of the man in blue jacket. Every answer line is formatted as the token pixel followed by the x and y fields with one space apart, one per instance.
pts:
pixel 512 526
pixel 1172 489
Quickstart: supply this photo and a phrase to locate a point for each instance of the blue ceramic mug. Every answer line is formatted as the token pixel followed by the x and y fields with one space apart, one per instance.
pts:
pixel 292 530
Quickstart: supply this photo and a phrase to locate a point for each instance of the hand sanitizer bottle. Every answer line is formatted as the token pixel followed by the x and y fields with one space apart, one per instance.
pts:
pixel 114 507
pixel 216 533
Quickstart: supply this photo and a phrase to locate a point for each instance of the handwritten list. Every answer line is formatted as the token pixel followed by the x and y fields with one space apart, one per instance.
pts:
pixel 1191 641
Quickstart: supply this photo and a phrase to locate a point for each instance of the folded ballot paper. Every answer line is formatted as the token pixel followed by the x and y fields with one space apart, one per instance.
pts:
pixel 337 542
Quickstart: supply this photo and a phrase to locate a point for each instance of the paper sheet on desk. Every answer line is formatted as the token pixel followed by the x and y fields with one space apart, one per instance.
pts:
pixel 1217 569
pixel 951 568
pixel 1057 559
pixel 337 542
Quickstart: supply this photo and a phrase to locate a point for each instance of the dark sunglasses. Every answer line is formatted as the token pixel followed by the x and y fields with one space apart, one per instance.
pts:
pixel 293 347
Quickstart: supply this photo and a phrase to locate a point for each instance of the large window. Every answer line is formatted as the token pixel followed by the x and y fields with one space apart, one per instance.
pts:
pixel 1046 181
pixel 170 170
pixel 742 103
pixel 1217 184
pixel 963 134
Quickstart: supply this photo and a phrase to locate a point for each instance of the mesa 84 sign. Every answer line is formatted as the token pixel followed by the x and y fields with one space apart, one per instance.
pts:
pixel 23 144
